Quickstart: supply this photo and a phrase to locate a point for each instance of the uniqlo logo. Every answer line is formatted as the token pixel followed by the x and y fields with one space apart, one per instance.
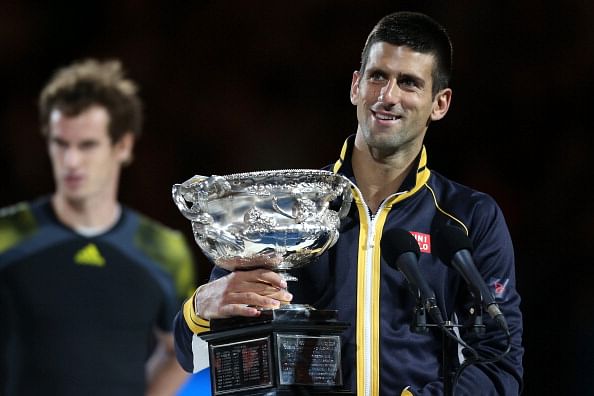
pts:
pixel 424 241
pixel 499 286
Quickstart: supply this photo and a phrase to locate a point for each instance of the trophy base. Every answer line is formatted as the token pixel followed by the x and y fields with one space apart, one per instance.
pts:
pixel 281 352
pixel 293 391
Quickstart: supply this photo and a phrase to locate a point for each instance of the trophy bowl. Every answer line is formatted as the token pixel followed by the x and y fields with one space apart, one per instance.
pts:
pixel 277 219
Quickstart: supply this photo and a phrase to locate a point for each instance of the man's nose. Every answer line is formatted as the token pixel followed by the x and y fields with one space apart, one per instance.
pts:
pixel 72 157
pixel 390 92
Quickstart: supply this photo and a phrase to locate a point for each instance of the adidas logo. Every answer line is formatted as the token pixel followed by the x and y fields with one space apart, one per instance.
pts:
pixel 89 255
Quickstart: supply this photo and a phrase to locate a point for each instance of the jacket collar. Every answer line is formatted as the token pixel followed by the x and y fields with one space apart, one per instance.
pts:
pixel 415 179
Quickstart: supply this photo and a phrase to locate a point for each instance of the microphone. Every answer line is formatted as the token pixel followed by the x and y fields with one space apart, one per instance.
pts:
pixel 454 247
pixel 401 250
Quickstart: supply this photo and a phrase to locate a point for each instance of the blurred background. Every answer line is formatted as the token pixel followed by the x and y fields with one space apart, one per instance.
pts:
pixel 235 86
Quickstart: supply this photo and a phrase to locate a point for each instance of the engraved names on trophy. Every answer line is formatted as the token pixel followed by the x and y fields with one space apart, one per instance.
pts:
pixel 241 365
pixel 309 360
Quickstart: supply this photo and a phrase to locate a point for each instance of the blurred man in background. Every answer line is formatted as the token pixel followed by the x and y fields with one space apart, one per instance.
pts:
pixel 88 286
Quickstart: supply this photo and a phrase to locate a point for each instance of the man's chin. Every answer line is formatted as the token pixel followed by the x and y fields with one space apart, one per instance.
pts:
pixel 382 141
pixel 73 197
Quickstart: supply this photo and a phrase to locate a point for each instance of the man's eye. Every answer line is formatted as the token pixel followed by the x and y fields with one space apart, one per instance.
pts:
pixel 377 76
pixel 58 143
pixel 88 145
pixel 408 83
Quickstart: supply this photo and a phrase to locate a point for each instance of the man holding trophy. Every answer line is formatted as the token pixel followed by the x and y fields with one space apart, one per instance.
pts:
pixel 390 347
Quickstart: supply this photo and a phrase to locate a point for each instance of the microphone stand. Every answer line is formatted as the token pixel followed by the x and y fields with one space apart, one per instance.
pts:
pixel 421 326
pixel 446 346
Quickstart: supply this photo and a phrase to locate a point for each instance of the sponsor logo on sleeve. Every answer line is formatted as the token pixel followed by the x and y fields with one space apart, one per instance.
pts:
pixel 499 287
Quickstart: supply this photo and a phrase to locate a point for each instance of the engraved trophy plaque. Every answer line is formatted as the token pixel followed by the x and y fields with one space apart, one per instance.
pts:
pixel 279 220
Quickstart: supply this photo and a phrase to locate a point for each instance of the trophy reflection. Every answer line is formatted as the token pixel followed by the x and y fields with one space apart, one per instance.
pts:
pixel 279 220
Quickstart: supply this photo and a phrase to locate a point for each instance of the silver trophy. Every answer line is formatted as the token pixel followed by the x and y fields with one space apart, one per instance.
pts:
pixel 277 219
pixel 280 220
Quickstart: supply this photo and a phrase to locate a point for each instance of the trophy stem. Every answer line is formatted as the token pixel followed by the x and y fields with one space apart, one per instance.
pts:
pixel 289 306
pixel 288 277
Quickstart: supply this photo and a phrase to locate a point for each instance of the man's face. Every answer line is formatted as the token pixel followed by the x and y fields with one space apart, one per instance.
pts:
pixel 85 163
pixel 394 98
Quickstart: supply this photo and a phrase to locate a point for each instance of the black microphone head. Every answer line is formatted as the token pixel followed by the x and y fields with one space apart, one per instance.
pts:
pixel 448 240
pixel 397 241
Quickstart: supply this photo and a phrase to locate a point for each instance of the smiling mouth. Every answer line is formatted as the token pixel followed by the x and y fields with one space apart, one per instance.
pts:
pixel 385 117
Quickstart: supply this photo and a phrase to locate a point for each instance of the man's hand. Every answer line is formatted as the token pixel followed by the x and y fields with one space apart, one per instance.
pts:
pixel 241 293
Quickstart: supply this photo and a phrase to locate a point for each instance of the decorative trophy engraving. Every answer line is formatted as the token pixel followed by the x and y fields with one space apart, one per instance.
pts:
pixel 279 220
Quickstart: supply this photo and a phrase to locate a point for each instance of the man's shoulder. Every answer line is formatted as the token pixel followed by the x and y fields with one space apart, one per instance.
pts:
pixel 168 248
pixel 17 222
pixel 10 212
pixel 453 190
pixel 467 205
pixel 154 231
pixel 158 240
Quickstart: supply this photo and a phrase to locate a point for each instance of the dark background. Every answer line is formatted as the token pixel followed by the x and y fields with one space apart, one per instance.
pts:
pixel 236 86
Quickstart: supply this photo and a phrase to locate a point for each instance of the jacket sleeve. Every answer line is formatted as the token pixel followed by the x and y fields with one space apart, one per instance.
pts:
pixel 494 257
pixel 186 324
pixel 183 343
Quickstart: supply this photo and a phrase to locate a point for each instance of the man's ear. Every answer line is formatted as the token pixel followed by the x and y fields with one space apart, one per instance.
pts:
pixel 355 87
pixel 125 147
pixel 441 104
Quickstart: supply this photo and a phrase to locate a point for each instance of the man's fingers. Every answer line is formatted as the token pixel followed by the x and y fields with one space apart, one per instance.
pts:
pixel 239 310
pixel 256 302
pixel 282 296
pixel 259 276
pixel 255 299
pixel 241 293
pixel 273 279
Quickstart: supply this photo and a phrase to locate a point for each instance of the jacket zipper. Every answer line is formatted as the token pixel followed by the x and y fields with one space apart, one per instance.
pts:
pixel 371 219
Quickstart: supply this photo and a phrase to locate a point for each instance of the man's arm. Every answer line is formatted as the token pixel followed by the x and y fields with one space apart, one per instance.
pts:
pixel 164 374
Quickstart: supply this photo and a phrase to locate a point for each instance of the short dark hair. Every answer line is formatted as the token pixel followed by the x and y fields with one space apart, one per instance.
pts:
pixel 75 88
pixel 422 34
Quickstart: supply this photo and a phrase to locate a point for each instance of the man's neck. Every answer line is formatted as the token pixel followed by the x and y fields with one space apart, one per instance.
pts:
pixel 377 176
pixel 88 217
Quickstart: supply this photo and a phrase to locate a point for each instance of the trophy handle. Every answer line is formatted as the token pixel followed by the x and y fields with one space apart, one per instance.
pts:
pixel 197 191
pixel 180 202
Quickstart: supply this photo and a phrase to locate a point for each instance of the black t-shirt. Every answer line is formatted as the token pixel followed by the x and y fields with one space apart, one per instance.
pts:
pixel 80 312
